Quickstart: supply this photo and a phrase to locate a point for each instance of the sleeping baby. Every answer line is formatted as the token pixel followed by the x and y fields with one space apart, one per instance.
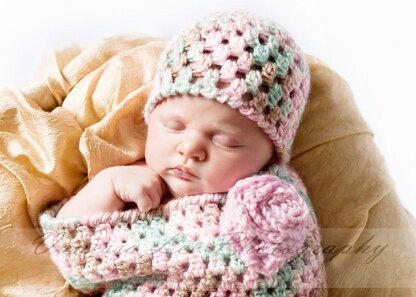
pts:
pixel 213 209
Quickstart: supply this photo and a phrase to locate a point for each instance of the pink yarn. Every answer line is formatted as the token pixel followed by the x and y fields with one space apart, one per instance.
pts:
pixel 220 54
pixel 228 71
pixel 245 62
pixel 233 92
pixel 265 222
pixel 237 45
pixel 213 40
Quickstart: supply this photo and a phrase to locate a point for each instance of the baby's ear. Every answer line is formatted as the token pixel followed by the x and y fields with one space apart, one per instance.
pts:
pixel 265 222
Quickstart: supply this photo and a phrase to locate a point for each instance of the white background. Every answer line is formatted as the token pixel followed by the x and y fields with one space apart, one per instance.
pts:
pixel 371 44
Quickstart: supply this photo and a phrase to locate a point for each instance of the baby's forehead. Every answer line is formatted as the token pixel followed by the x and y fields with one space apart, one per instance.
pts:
pixel 195 103
pixel 208 112
pixel 213 118
pixel 199 108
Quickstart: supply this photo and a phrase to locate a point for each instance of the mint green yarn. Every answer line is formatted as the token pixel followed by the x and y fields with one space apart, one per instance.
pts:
pixel 196 88
pixel 261 293
pixel 236 264
pixel 209 83
pixel 280 279
pixel 297 263
pixel 218 243
pixel 153 232
pixel 287 273
pixel 276 170
pixel 209 92
pixel 274 95
pixel 174 55
pixel 283 279
pixel 82 284
pixel 282 65
pixel 121 288
pixel 202 249
pixel 183 81
pixel 278 291
pixel 261 54
pixel 251 37
pixel 288 55
pixel 253 81
pixel 224 252
pixel 139 226
pixel 166 246
pixel 194 51
pixel 211 78
pixel 264 290
pixel 273 27
pixel 186 242
pixel 273 45
pixel 166 83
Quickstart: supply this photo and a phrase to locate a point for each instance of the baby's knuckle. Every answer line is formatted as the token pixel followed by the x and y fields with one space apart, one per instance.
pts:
pixel 141 191
pixel 154 183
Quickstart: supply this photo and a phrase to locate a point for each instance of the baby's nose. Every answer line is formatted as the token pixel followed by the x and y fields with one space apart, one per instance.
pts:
pixel 193 147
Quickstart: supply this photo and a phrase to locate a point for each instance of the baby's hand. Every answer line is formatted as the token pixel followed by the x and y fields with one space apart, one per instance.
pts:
pixel 139 184
pixel 113 187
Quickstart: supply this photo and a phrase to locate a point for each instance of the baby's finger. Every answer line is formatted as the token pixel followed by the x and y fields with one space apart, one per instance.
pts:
pixel 144 203
pixel 155 196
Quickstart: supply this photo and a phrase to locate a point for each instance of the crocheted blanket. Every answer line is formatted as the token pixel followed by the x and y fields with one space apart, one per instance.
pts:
pixel 259 239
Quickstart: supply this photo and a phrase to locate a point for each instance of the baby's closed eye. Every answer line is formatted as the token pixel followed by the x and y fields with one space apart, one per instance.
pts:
pixel 226 141
pixel 218 137
pixel 174 125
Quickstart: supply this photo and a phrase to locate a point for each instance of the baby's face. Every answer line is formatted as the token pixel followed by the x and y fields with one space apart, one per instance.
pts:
pixel 216 143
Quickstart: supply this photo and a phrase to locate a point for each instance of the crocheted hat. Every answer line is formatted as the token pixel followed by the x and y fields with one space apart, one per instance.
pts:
pixel 252 64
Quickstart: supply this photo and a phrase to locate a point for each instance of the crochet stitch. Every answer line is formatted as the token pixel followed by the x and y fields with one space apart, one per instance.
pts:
pixel 195 246
pixel 259 239
pixel 251 64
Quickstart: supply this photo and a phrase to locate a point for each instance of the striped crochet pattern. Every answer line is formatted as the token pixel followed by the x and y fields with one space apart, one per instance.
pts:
pixel 251 64
pixel 259 239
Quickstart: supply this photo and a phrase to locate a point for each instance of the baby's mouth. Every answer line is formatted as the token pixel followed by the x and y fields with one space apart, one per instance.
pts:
pixel 178 172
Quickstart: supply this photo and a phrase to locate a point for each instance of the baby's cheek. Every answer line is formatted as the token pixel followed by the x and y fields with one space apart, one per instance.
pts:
pixel 236 171
pixel 220 182
pixel 153 156
pixel 156 147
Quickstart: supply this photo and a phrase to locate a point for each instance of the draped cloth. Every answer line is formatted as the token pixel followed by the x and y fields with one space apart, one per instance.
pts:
pixel 83 113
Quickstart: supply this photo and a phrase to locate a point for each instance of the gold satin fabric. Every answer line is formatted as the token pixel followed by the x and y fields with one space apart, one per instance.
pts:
pixel 83 114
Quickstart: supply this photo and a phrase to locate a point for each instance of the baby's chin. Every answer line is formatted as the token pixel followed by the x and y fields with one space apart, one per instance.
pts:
pixel 179 191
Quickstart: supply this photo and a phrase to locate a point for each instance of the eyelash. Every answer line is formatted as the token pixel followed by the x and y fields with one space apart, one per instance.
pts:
pixel 225 146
